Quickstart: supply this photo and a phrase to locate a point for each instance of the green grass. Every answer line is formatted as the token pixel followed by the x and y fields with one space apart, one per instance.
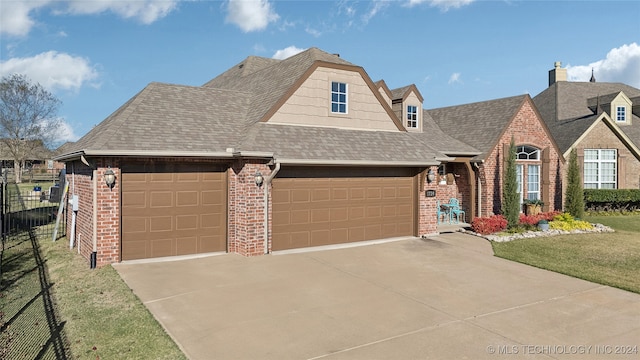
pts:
pixel 606 258
pixel 54 306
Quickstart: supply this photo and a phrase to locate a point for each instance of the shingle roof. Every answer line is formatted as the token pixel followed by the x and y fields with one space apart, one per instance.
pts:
pixel 477 124
pixel 324 143
pixel 225 113
pixel 164 117
pixel 568 109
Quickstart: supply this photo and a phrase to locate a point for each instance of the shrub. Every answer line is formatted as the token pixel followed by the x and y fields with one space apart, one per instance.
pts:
pixel 574 199
pixel 510 196
pixel 489 225
pixel 566 222
pixel 535 219
pixel 612 199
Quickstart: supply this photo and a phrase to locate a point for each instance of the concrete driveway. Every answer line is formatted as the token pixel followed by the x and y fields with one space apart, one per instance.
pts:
pixel 445 297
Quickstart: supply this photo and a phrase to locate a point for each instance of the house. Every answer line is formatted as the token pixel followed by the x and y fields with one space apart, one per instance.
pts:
pixel 601 121
pixel 270 155
pixel 274 155
pixel 490 126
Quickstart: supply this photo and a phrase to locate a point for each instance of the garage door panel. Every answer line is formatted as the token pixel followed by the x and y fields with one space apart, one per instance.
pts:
pixel 162 247
pixel 135 224
pixel 338 194
pixel 321 237
pixel 320 216
pixel 187 198
pixel 135 198
pixel 188 177
pixel 171 209
pixel 160 199
pixel 300 217
pixel 160 223
pixel 186 245
pixel 320 194
pixel 300 195
pixel 373 231
pixel 358 209
pixel 212 197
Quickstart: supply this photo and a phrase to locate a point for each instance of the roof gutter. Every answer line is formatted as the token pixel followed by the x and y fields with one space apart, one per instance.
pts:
pixel 433 162
pixel 228 154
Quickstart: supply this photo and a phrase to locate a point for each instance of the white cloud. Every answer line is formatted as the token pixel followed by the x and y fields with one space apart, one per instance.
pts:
pixel 16 17
pixel 287 52
pixel 251 15
pixel 621 64
pixel 52 70
pixel 375 8
pixel 455 78
pixel 146 11
pixel 65 133
pixel 444 5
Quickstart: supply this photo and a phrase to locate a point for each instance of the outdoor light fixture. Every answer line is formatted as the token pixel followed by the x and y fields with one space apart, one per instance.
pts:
pixel 259 179
pixel 431 176
pixel 109 177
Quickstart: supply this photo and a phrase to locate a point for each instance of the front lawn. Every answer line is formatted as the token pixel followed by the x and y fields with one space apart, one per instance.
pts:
pixel 606 258
pixel 53 306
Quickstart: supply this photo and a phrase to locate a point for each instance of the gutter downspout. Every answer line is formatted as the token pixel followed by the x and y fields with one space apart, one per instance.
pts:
pixel 93 259
pixel 267 183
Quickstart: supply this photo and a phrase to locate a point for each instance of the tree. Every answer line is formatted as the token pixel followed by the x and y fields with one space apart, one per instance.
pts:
pixel 574 201
pixel 28 122
pixel 510 196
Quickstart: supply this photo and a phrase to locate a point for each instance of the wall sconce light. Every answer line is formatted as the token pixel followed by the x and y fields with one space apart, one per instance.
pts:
pixel 431 176
pixel 109 178
pixel 258 178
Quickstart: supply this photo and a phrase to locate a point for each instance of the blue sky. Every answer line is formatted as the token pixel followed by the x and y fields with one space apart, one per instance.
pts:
pixel 95 55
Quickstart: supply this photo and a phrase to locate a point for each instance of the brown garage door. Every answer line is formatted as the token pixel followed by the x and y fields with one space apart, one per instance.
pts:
pixel 172 209
pixel 313 207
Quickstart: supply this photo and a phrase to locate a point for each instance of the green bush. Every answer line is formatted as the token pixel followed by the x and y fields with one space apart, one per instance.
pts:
pixel 612 199
pixel 566 222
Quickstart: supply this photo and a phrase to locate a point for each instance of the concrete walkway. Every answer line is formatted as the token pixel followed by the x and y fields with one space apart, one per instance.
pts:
pixel 445 297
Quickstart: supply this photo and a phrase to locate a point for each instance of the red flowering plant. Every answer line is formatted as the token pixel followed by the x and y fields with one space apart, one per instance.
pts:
pixel 489 225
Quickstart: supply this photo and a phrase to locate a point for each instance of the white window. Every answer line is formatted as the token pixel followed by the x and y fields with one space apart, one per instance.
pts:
pixel 621 113
pixel 600 169
pixel 524 152
pixel 533 182
pixel 519 181
pixel 412 117
pixel 338 97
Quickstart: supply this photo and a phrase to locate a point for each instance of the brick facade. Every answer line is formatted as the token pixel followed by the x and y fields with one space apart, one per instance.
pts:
pixel 245 213
pixel 602 137
pixel 526 128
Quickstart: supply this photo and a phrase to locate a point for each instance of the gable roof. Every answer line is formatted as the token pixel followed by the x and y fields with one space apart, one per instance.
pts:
pixel 570 108
pixel 479 124
pixel 403 92
pixel 224 118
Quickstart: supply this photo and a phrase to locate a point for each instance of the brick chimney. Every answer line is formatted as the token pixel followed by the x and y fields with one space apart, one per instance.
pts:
pixel 557 74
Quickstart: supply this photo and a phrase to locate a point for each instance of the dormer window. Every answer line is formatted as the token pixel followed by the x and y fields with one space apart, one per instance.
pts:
pixel 412 117
pixel 621 113
pixel 338 97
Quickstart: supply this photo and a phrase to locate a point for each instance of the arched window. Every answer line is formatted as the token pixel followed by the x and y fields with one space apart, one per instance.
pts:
pixel 525 152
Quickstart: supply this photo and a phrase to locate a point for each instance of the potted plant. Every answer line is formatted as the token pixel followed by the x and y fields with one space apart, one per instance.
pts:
pixel 543 225
pixel 533 207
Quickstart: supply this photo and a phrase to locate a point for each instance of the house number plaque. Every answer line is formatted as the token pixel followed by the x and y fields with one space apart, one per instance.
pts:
pixel 430 193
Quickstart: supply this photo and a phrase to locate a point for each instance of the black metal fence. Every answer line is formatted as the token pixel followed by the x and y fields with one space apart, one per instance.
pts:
pixel 32 210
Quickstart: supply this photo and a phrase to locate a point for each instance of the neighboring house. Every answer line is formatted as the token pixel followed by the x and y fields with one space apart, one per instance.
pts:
pixel 601 121
pixel 270 155
pixel 489 127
